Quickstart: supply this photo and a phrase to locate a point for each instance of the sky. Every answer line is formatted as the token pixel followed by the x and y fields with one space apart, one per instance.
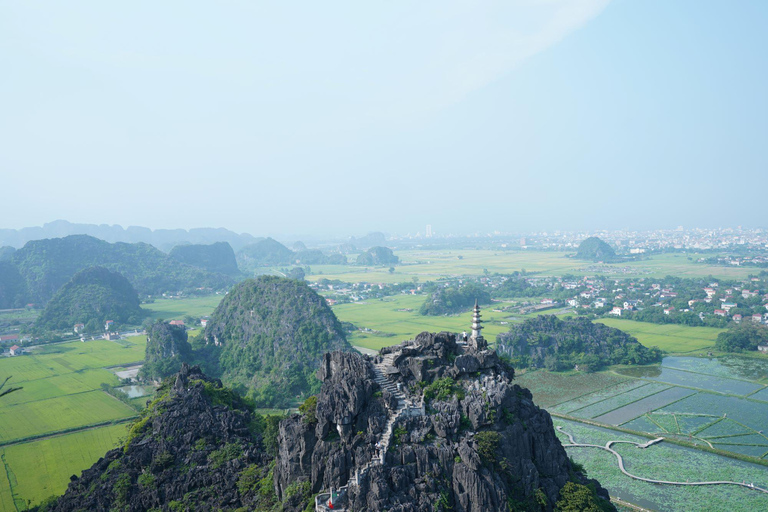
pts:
pixel 334 118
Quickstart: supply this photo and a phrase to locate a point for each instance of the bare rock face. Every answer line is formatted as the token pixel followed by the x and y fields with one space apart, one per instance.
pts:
pixel 480 445
pixel 428 426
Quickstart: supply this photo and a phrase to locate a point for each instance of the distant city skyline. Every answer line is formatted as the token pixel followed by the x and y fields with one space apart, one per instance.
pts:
pixel 265 118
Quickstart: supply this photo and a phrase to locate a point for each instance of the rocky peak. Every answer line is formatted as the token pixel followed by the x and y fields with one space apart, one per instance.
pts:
pixel 452 429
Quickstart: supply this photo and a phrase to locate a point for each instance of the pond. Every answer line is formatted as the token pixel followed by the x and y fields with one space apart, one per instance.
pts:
pixel 702 373
pixel 732 367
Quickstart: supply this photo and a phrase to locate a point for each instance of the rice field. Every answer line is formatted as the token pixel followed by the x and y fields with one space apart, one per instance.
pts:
pixel 36 470
pixel 177 309
pixel 61 391
pixel 670 462
pixel 694 380
pixel 430 265
pixel 666 401
pixel 598 396
pixel 550 389
pixel 619 400
pixel 668 337
pixel 395 319
pixel 50 415
pixel 649 403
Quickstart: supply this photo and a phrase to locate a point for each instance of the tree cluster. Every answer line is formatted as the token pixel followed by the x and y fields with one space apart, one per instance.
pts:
pixel 92 297
pixel 562 344
pixel 455 299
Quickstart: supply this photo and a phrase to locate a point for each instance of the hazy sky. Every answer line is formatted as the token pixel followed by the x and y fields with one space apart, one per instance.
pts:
pixel 348 117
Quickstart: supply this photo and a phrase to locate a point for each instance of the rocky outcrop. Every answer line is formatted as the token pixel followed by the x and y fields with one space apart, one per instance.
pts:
pixel 190 450
pixel 273 333
pixel 167 348
pixel 481 444
pixel 431 425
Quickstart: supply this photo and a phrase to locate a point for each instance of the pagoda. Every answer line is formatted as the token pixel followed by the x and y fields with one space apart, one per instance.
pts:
pixel 476 340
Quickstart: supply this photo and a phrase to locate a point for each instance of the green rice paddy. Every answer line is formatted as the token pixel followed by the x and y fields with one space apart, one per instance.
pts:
pixel 36 470
pixel 669 462
pixel 61 391
pixel 395 319
pixel 668 337
pixel 431 265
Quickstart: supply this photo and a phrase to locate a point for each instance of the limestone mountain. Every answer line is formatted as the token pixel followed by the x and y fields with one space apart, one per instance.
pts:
pixel 372 239
pixel 167 349
pixel 6 252
pixel 161 238
pixel 13 287
pixel 317 257
pixel 92 297
pixel 217 257
pixel 454 299
pixel 561 344
pixel 594 249
pixel 272 333
pixel 427 426
pixel 46 265
pixel 270 252
pixel 378 256
pixel 454 433
pixel 267 251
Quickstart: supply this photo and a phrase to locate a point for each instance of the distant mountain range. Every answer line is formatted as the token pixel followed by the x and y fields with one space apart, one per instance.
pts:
pixel 37 271
pixel 163 239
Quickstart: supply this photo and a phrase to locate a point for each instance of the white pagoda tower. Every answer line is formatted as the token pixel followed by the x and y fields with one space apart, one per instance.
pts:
pixel 476 340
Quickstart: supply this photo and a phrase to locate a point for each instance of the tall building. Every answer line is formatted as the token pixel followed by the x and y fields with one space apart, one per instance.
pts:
pixel 429 230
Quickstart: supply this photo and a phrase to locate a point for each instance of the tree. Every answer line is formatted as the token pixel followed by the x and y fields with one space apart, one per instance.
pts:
pixel 9 390
pixel 580 498
pixel 744 336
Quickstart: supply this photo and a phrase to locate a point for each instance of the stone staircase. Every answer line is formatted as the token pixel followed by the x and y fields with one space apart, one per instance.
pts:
pixel 403 405
pixel 404 408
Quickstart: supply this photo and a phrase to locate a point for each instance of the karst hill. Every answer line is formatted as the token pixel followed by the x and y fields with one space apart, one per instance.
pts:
pixel 431 425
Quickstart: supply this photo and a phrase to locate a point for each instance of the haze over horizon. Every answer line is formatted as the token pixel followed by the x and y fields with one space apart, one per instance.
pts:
pixel 344 119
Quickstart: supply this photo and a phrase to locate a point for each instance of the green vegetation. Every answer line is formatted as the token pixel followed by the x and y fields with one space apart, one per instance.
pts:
pixel 594 249
pixel 742 337
pixel 217 257
pixel 31 419
pixel 309 409
pixel 177 309
pixel 443 389
pixel 455 299
pixel 670 338
pixel 229 451
pixel 167 349
pixel 376 256
pixel 61 391
pixel 264 253
pixel 488 446
pixel 665 461
pixel 399 317
pixel 92 297
pixel 550 389
pixel 13 287
pixel 46 265
pixel 432 265
pixel 273 332
pixel 580 498
pixel 560 344
pixel 42 468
